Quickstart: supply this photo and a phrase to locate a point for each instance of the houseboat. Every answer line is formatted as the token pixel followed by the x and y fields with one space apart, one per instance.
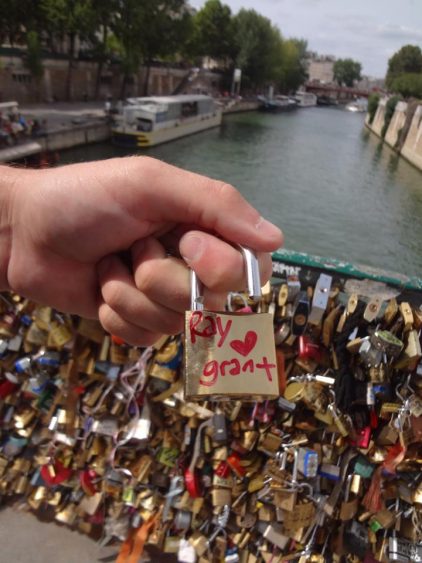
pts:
pixel 305 99
pixel 145 122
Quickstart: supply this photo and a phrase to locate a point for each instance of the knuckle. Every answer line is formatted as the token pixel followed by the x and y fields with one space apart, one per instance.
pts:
pixel 227 192
pixel 145 277
pixel 113 294
pixel 107 318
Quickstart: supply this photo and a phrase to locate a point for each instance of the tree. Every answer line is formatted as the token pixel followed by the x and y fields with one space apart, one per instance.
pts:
pixel 213 31
pixel 105 11
pixel 33 60
pixel 149 29
pixel 257 48
pixel 409 85
pixel 293 72
pixel 346 71
pixel 408 60
pixel 404 74
pixel 69 19
pixel 373 102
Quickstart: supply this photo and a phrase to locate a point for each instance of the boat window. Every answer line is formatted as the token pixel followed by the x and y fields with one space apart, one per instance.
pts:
pixel 144 124
pixel 189 109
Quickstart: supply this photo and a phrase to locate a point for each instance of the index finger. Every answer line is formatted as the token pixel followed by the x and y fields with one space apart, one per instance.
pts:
pixel 168 193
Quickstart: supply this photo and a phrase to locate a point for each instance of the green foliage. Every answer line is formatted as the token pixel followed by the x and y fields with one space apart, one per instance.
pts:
pixel 293 71
pixel 408 60
pixel 409 85
pixel 373 102
pixel 33 60
pixel 389 112
pixel 140 31
pixel 346 71
pixel 69 17
pixel 257 48
pixel 213 31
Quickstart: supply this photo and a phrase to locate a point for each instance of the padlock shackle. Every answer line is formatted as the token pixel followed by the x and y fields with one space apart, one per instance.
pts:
pixel 252 276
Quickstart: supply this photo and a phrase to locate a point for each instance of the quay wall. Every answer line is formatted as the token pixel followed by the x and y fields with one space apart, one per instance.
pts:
pixel 404 138
pixel 76 135
pixel 412 148
pixel 378 121
pixel 396 124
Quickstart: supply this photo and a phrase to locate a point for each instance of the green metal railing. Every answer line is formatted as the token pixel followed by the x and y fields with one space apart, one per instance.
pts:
pixel 346 269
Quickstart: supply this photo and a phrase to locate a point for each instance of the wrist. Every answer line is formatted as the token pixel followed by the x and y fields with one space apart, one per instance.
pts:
pixel 9 177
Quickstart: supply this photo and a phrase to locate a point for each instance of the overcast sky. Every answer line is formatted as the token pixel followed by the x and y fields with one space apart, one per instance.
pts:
pixel 369 31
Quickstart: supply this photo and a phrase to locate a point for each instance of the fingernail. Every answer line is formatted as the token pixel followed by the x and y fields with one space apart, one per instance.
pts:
pixel 104 266
pixel 191 248
pixel 267 229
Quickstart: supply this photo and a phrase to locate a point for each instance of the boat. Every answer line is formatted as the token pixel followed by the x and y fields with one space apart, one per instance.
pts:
pixel 305 99
pixel 149 121
pixel 277 104
pixel 358 106
pixel 325 100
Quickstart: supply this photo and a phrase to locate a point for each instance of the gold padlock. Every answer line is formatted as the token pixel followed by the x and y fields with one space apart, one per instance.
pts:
pixel 230 355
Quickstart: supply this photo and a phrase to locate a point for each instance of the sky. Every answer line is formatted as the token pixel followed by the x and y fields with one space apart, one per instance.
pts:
pixel 369 31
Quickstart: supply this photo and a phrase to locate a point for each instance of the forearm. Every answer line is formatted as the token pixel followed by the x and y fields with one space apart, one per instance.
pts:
pixel 9 177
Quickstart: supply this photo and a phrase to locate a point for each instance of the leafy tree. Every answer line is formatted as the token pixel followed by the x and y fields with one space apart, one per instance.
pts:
pixel 346 71
pixel 33 60
pixel 258 48
pixel 213 31
pixel 149 29
pixel 407 60
pixel 373 102
pixel 293 72
pixel 105 11
pixel 70 19
pixel 408 85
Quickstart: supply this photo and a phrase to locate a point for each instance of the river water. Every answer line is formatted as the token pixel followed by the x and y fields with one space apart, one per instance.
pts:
pixel 317 173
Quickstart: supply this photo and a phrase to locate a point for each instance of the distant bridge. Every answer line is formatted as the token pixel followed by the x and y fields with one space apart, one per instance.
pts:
pixel 340 93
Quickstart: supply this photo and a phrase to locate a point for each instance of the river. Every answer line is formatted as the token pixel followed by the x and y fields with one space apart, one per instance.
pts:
pixel 317 173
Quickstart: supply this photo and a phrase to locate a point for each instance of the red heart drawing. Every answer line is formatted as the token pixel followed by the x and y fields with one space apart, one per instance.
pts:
pixel 244 347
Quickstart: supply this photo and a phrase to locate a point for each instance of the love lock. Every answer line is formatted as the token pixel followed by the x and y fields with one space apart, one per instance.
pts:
pixel 230 355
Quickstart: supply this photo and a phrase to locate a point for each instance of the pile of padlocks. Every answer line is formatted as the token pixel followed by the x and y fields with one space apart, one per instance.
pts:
pixel 99 435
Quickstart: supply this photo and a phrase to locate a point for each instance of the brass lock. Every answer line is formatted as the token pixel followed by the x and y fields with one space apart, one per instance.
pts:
pixel 230 355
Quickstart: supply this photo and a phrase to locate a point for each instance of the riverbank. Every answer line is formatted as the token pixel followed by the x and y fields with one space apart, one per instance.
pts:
pixel 75 124
pixel 404 132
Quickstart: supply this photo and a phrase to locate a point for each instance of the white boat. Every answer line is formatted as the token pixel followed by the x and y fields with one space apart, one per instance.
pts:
pixel 360 106
pixel 305 99
pixel 145 122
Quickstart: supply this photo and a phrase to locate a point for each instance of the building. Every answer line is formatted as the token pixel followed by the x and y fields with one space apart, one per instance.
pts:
pixel 321 68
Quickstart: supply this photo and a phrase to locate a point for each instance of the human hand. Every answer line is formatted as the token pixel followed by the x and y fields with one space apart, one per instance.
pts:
pixel 63 232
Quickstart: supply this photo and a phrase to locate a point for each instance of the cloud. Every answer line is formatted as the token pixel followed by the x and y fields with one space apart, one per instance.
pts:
pixel 399 32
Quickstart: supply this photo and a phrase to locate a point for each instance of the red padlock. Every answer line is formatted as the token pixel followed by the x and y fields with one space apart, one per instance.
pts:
pixel 234 462
pixel 308 350
pixel 363 438
pixel 87 479
pixel 55 474
pixel 192 483
pixel 223 469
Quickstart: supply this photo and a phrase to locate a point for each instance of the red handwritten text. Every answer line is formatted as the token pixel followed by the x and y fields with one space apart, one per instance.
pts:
pixel 213 369
pixel 210 326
